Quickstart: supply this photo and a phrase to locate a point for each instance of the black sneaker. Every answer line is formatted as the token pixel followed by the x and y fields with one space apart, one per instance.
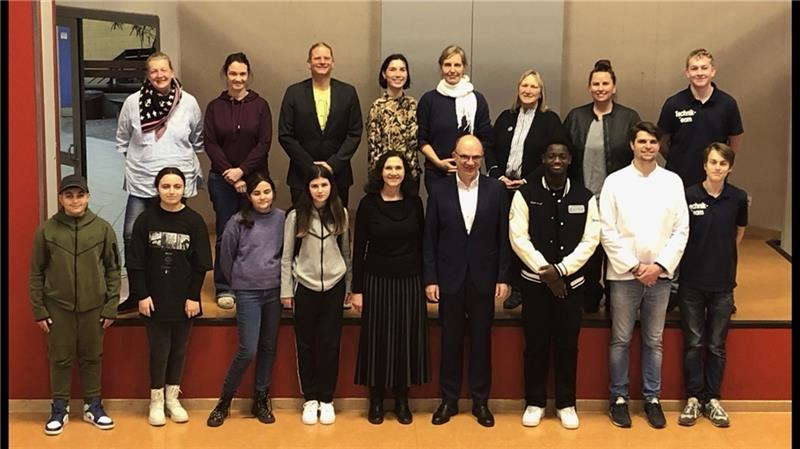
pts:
pixel 655 416
pixel 514 300
pixel 619 413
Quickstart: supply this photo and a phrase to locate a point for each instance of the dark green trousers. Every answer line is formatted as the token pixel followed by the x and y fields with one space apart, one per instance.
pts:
pixel 74 335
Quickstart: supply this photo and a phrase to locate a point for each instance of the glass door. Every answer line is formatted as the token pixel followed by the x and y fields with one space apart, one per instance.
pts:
pixel 72 152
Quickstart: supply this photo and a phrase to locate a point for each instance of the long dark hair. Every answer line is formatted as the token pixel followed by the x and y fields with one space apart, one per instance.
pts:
pixel 331 214
pixel 375 182
pixel 156 200
pixel 246 211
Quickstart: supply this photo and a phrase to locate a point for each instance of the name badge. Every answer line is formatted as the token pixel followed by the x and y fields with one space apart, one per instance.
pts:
pixel 576 209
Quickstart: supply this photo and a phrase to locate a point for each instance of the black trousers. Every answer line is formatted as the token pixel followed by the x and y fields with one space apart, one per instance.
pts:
pixel 550 323
pixel 466 305
pixel 594 271
pixel 318 329
pixel 343 191
pixel 168 342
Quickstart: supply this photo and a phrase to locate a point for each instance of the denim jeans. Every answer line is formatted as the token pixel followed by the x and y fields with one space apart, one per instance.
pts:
pixel 627 299
pixel 226 202
pixel 135 206
pixel 704 315
pixel 258 314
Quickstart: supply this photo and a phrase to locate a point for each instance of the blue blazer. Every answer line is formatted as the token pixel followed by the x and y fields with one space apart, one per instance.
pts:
pixel 449 252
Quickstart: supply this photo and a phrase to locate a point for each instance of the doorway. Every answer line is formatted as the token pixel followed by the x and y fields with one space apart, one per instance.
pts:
pixel 101 61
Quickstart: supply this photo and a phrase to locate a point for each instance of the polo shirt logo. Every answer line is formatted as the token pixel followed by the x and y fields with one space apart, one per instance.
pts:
pixel 698 209
pixel 685 116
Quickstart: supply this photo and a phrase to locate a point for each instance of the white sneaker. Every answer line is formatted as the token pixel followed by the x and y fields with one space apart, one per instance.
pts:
pixel 310 409
pixel 532 416
pixel 226 300
pixel 569 417
pixel 326 413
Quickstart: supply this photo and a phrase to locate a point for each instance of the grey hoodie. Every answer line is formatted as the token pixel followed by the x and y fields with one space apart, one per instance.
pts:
pixel 323 259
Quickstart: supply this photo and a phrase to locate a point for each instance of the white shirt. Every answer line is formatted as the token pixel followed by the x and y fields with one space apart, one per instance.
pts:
pixel 644 218
pixel 145 156
pixel 468 199
pixel 524 121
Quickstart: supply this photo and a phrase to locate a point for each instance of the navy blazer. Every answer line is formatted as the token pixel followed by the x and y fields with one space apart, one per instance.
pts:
pixel 305 142
pixel 449 252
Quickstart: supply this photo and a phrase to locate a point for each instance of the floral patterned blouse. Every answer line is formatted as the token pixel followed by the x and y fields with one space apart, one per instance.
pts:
pixel 392 125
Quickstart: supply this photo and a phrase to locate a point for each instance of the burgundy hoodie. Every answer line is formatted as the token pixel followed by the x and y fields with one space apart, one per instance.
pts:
pixel 238 133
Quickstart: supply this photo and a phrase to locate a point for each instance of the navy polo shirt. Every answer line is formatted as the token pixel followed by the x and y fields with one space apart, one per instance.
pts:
pixel 709 260
pixel 693 126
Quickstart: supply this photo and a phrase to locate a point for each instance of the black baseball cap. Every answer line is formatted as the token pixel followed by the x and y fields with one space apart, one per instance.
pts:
pixel 73 181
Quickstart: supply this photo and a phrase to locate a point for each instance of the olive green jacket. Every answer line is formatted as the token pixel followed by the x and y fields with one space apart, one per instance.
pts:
pixel 75 266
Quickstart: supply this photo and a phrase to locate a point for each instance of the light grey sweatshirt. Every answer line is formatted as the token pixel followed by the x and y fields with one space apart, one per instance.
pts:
pixel 321 262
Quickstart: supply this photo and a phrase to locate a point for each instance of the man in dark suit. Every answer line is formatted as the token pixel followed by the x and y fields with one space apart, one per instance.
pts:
pixel 320 123
pixel 467 258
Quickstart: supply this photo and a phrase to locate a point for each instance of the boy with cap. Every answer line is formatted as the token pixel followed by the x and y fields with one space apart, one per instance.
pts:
pixel 74 291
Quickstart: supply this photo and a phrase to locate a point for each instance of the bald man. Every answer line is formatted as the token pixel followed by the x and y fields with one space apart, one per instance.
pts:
pixel 467 261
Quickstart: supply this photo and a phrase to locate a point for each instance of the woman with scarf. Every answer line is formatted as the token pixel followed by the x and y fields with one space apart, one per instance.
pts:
pixel 521 135
pixel 448 112
pixel 159 126
pixel 237 134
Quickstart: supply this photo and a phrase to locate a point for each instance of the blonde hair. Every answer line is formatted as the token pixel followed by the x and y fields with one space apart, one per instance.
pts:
pixel 542 106
pixel 699 53
pixel 451 50
pixel 158 55
pixel 319 44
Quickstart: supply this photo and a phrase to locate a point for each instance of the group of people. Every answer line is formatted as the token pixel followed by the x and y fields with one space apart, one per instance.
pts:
pixel 564 215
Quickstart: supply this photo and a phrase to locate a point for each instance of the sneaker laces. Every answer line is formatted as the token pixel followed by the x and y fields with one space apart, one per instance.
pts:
pixel 716 410
pixel 620 401
pixel 692 407
pixel 57 412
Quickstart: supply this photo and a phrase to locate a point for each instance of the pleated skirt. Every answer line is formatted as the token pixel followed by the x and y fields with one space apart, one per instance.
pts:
pixel 393 345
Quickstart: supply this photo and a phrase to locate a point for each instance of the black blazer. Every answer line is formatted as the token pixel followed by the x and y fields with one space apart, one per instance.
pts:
pixel 301 137
pixel 546 125
pixel 448 251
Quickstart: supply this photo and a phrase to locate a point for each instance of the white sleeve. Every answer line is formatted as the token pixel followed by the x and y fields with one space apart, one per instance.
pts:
pixel 520 237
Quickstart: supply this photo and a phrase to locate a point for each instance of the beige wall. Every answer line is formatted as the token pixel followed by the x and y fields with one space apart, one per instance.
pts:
pixel 647 43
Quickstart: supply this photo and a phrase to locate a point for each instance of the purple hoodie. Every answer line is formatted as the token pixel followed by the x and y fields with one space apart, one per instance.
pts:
pixel 238 133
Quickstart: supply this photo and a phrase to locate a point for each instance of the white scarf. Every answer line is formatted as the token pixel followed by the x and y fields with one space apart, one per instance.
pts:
pixel 466 102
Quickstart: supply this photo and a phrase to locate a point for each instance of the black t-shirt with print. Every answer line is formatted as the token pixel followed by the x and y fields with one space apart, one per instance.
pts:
pixel 169 255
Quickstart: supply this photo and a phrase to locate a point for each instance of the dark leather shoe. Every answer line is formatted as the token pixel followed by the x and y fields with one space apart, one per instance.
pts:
pixel 443 413
pixel 375 413
pixel 485 417
pixel 402 412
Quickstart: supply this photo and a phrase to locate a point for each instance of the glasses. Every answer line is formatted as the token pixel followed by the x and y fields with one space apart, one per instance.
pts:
pixel 465 158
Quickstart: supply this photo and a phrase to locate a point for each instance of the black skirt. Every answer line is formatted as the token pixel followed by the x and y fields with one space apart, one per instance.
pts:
pixel 393 346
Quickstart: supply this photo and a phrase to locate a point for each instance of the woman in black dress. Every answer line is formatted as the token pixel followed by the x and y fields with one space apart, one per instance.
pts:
pixel 387 288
